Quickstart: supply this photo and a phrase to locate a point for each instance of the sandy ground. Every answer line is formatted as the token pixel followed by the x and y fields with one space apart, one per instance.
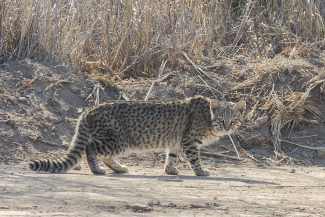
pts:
pixel 233 190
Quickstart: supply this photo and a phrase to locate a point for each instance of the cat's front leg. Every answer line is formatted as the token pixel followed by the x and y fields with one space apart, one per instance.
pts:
pixel 172 157
pixel 193 156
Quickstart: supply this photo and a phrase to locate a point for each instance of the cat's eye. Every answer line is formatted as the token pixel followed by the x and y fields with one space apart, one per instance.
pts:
pixel 232 122
pixel 221 120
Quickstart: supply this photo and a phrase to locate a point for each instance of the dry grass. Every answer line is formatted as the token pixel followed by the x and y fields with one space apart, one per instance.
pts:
pixel 130 37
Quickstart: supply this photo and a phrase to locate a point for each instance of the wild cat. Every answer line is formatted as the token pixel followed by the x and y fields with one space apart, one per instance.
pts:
pixel 113 128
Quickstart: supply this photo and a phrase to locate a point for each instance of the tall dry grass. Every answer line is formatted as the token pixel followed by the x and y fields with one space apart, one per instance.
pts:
pixel 133 37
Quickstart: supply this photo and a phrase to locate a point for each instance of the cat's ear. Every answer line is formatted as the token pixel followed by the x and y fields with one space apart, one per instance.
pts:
pixel 241 105
pixel 214 104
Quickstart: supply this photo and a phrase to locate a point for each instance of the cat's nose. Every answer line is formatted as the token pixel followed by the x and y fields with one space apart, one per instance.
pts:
pixel 227 128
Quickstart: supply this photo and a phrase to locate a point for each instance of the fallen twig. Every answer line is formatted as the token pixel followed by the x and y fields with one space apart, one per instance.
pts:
pixel 125 97
pixel 47 78
pixel 207 86
pixel 156 81
pixel 26 84
pixel 198 69
pixel 301 137
pixel 56 83
pixel 95 91
pixel 219 155
pixel 197 206
pixel 5 95
pixel 136 207
pixel 232 141
pixel 213 66
pixel 51 143
pixel 303 146
pixel 201 85
pixel 71 119
pixel 250 156
pixel 170 180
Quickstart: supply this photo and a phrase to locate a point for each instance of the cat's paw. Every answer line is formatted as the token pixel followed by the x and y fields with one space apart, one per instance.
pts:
pixel 204 172
pixel 171 171
pixel 118 168
pixel 121 169
pixel 99 171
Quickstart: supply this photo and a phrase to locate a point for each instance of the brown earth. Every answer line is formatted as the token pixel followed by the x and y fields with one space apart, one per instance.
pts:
pixel 39 103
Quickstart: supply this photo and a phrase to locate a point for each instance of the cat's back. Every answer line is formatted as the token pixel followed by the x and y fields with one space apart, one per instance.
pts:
pixel 148 116
pixel 135 109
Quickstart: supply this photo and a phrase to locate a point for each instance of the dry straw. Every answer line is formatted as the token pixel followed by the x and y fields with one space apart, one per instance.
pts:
pixel 128 37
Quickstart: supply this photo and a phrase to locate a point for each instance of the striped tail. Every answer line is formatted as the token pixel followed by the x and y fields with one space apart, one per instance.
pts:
pixel 72 157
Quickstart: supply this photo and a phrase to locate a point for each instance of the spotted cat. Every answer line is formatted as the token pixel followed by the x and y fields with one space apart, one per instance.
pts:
pixel 114 128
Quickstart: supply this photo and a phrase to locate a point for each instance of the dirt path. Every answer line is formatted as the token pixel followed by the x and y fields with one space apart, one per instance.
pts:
pixel 233 190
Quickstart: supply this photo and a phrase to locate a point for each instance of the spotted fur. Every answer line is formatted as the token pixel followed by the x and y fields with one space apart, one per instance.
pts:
pixel 110 129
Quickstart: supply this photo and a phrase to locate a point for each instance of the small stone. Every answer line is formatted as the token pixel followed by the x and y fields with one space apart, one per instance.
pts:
pixel 53 119
pixel 262 120
pixel 222 208
pixel 249 129
pixel 12 173
pixel 83 95
pixel 282 80
pixel 293 68
pixel 256 126
pixel 73 89
pixel 79 110
pixel 77 167
pixel 293 171
pixel 22 99
pixel 53 129
pixel 307 162
pixel 38 89
pixel 305 155
pixel 321 154
pixel 13 100
pixel 257 156
pixel 136 207
pixel 279 156
pixel 11 123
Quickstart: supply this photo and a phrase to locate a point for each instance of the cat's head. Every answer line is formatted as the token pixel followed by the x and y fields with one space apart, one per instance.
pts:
pixel 226 116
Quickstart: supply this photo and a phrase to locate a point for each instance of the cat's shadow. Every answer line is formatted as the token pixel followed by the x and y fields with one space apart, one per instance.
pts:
pixel 182 178
pixel 171 178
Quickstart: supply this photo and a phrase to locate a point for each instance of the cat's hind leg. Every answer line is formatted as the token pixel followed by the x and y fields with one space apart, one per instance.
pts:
pixel 92 151
pixel 114 165
pixel 172 157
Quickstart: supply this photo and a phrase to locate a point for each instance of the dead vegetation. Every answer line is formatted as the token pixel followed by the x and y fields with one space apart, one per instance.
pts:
pixel 123 38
